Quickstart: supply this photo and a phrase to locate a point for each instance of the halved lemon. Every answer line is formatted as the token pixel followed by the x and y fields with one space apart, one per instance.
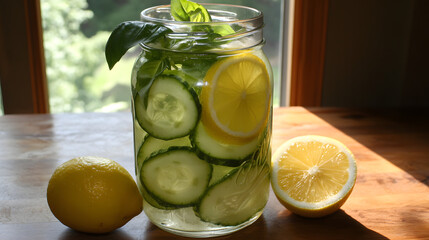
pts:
pixel 313 176
pixel 236 98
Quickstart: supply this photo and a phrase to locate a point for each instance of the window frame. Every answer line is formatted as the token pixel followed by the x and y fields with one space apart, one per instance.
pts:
pixel 22 61
pixel 308 52
pixel 23 78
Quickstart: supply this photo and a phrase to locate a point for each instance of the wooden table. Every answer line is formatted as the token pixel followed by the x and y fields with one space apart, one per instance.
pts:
pixel 390 199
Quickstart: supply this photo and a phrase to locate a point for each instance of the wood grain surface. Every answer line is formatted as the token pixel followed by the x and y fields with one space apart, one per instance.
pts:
pixel 390 199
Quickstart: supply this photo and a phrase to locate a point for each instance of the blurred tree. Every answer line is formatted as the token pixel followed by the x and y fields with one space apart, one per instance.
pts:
pixel 70 56
pixel 109 13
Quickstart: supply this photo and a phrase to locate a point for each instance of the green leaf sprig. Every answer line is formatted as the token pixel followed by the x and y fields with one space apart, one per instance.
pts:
pixel 184 10
pixel 128 34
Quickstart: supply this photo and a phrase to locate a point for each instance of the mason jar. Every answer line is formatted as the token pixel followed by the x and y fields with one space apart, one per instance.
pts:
pixel 202 110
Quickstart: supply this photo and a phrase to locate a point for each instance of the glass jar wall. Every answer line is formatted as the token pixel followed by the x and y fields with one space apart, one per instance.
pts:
pixel 202 109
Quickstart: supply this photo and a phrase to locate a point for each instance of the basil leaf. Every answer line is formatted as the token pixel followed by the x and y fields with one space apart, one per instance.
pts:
pixel 198 67
pixel 184 10
pixel 147 73
pixel 223 30
pixel 199 15
pixel 178 12
pixel 128 34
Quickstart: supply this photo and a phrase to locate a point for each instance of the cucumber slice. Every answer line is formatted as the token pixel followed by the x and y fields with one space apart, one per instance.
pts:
pixel 152 145
pixel 152 201
pixel 172 110
pixel 176 177
pixel 238 197
pixel 219 172
pixel 219 153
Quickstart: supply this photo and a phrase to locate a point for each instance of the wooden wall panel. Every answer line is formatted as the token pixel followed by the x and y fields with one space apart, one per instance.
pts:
pixel 308 52
pixel 22 62
pixel 366 52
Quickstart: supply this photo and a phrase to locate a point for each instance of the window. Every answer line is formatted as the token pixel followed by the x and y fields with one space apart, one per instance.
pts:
pixel 76 31
pixel 23 68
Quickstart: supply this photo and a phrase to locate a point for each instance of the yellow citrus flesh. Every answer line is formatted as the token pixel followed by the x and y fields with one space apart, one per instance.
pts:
pixel 313 176
pixel 236 98
pixel 93 195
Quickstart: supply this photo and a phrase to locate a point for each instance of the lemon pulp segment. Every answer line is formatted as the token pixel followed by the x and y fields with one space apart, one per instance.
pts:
pixel 315 174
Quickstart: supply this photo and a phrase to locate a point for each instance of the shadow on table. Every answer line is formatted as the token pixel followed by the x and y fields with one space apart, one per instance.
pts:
pixel 338 225
pixel 386 132
pixel 273 225
pixel 290 226
pixel 119 234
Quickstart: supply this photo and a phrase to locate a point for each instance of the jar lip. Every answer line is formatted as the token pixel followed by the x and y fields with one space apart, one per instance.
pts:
pixel 245 22
pixel 211 7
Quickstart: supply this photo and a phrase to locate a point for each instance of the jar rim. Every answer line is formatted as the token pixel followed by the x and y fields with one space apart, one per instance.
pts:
pixel 246 22
pixel 211 7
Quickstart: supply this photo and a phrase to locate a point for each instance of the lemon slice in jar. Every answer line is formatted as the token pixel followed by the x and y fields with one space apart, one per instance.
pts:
pixel 236 98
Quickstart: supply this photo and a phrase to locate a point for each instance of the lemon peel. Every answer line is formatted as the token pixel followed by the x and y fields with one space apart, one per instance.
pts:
pixel 93 195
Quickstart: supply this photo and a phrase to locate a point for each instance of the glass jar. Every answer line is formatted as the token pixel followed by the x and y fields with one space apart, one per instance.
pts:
pixel 202 110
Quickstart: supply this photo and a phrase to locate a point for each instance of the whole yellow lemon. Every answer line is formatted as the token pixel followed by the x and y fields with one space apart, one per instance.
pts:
pixel 93 195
